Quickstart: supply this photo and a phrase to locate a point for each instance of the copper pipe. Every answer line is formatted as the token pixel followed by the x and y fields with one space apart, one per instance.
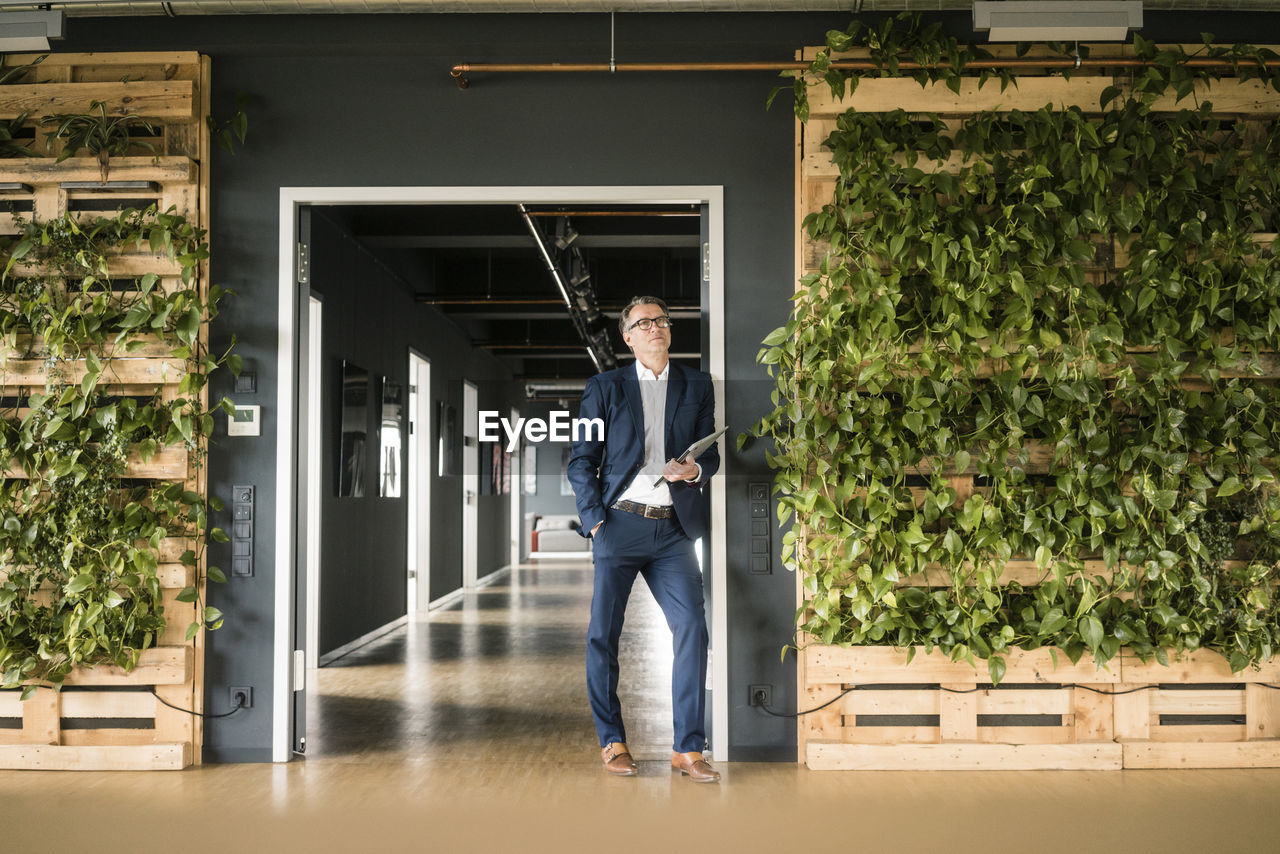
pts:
pixel 426 300
pixel 459 71
pixel 568 346
pixel 613 213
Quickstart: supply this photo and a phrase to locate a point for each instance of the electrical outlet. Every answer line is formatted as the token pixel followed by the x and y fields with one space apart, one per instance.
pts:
pixel 761 695
pixel 241 697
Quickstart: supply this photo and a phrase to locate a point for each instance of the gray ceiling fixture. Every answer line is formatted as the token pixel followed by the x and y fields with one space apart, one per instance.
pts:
pixel 29 31
pixel 1057 20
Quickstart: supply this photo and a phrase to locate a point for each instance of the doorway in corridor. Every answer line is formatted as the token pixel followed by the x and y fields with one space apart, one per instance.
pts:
pixel 431 402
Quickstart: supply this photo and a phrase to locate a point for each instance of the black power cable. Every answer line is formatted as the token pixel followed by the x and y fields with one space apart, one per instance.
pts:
pixel 770 711
pixel 239 705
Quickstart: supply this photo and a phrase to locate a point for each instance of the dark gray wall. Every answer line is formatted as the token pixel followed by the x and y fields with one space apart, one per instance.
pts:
pixel 367 100
pixel 370 319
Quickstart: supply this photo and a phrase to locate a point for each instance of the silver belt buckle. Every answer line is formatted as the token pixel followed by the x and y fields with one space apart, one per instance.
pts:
pixel 657 511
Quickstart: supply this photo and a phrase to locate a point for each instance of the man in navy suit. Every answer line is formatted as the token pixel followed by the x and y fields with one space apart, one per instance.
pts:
pixel 652 411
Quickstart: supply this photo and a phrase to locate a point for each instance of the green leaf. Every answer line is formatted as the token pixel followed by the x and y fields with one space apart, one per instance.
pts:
pixel 80 583
pixel 996 669
pixel 1230 487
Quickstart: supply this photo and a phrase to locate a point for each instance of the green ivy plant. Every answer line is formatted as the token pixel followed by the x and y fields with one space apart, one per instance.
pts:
pixel 79 543
pixel 967 323
pixel 101 135
pixel 230 131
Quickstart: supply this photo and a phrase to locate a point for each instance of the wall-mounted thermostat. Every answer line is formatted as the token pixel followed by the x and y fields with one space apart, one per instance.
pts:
pixel 247 421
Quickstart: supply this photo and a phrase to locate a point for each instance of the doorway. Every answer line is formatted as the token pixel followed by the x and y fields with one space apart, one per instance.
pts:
pixel 419 483
pixel 470 484
pixel 290 359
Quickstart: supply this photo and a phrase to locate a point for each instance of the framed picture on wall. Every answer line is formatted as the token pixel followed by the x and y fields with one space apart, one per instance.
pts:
pixel 389 439
pixel 353 430
pixel 447 424
pixel 566 488
pixel 530 458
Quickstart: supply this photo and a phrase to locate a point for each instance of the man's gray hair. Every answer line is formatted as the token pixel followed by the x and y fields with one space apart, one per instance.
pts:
pixel 635 301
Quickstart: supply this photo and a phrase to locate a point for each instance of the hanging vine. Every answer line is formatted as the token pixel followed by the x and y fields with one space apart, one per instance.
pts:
pixel 966 323
pixel 79 542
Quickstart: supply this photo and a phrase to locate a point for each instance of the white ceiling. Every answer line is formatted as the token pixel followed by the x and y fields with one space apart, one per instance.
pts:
pixel 247 7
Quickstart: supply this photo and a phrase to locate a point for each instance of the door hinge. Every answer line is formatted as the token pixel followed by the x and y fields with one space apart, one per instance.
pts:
pixel 299 670
pixel 706 262
pixel 304 264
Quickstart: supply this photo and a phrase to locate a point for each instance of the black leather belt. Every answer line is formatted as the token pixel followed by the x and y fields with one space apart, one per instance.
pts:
pixel 648 511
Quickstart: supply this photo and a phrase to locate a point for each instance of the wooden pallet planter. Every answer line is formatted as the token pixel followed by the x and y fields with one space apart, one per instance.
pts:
pixel 935 714
pixel 42 189
pixel 104 719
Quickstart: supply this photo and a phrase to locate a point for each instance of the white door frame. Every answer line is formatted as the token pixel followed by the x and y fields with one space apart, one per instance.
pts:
pixel 421 473
pixel 315 397
pixel 513 479
pixel 286 511
pixel 470 494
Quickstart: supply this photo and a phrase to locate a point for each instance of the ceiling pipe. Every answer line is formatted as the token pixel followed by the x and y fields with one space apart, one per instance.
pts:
pixel 459 72
pixel 614 213
pixel 564 290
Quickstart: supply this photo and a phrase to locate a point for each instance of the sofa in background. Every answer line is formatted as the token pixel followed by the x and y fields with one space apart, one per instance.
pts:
pixel 555 533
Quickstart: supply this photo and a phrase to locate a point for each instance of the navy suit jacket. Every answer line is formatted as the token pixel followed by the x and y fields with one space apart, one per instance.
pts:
pixel 600 471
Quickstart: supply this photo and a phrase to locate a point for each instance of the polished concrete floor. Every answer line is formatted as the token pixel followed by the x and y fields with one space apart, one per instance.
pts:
pixel 470 730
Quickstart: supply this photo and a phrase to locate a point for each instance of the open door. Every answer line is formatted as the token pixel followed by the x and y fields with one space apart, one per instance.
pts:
pixel 470 483
pixel 419 482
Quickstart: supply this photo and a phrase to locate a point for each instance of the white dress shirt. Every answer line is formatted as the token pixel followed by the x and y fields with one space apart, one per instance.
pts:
pixel 653 395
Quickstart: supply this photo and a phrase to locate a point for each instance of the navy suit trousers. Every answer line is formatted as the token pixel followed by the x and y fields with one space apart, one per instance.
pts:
pixel 658 549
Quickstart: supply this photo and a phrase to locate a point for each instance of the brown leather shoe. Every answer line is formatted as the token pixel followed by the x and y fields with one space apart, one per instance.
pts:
pixel 697 768
pixel 618 761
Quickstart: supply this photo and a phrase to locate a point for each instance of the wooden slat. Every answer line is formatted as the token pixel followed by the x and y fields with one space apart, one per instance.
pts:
pixel 123 370
pixel 876 665
pixel 166 464
pixel 108 737
pixel 1199 733
pixel 11 703
pixel 826 756
pixel 108 704
pixel 169 100
pixel 171 576
pixel 1229 96
pixel 41 170
pixel 126 265
pixel 1199 666
pixel 1014 702
pixel 172 724
pixel 889 735
pixel 148 346
pixel 958 712
pixel 164 665
pixel 891 703
pixel 883 94
pixel 145 757
pixel 823 724
pixel 1025 572
pixel 1208 702
pixel 40 717
pixel 1262 712
pixel 1017 735
pixel 1247 754
pixel 1093 714
pixel 177 616
pixel 91 58
pixel 1132 713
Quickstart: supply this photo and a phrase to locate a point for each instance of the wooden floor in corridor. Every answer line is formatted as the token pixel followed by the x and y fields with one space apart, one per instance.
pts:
pixel 469 730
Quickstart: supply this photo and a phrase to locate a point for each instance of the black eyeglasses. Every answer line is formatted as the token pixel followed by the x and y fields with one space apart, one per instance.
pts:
pixel 644 324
